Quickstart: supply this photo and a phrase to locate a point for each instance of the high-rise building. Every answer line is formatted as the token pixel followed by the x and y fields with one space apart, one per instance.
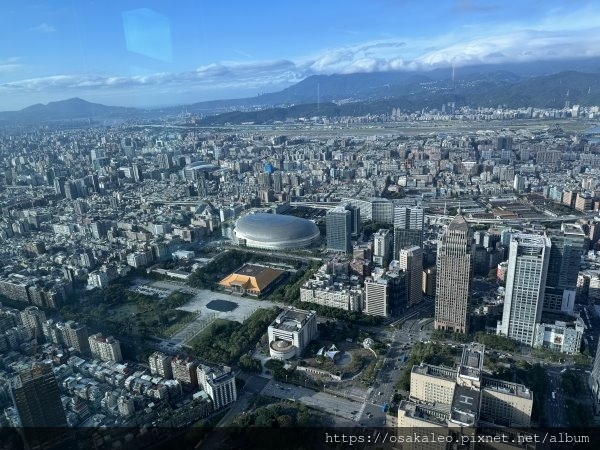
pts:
pixel 429 281
pixel 411 261
pixel 339 229
pixel 219 384
pixel 37 400
pixel 105 348
pixel 160 364
pixel 453 276
pixel 32 318
pixel 355 219
pixel 184 371
pixel 76 336
pixel 382 247
pixel 408 228
pixel 525 285
pixel 563 269
pixel 376 297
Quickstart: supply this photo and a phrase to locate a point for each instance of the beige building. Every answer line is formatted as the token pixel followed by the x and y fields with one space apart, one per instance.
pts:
pixel 453 277
pixel 105 348
pixel 442 399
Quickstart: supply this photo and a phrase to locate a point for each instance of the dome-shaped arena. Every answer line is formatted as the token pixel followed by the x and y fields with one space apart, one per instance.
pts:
pixel 275 231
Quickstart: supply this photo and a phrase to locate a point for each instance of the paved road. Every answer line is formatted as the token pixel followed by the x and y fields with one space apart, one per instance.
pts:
pixel 554 408
pixel 337 406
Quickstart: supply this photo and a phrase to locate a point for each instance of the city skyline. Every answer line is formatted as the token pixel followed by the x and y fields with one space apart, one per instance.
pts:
pixel 144 54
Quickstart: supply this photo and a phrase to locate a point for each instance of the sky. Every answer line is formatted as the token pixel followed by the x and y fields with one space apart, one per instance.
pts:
pixel 161 52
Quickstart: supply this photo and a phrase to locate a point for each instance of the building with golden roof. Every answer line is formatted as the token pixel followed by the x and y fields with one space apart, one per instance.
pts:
pixel 252 279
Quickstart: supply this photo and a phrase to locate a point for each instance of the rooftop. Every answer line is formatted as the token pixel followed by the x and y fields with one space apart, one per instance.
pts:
pixel 506 387
pixel 435 371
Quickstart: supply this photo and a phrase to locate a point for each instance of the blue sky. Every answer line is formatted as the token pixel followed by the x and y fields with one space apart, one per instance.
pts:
pixel 145 53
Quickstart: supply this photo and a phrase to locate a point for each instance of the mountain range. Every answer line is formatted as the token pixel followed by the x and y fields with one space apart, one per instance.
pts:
pixel 361 93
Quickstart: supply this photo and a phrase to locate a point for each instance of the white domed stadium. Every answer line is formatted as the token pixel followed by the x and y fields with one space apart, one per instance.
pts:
pixel 275 232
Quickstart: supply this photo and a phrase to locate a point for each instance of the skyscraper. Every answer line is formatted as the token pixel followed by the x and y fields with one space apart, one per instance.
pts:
pixel 37 400
pixel 339 229
pixel 525 285
pixel 563 269
pixel 453 277
pixel 408 228
pixel 411 261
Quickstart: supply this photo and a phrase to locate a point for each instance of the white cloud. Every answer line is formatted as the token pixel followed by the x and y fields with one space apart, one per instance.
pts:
pixel 465 46
pixel 44 28
pixel 9 65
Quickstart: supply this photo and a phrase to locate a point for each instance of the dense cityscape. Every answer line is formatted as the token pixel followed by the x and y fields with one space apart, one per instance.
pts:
pixel 243 225
pixel 162 276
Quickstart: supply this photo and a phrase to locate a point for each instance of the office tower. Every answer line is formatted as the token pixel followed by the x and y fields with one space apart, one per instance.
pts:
pixel 382 248
pixel 76 336
pixel 355 219
pixel 160 364
pixel 411 261
pixel 525 284
pixel 219 384
pixel 339 229
pixel 429 282
pixel 37 400
pixel 563 269
pixel 382 210
pixel 453 276
pixel 376 297
pixel 105 348
pixel 408 228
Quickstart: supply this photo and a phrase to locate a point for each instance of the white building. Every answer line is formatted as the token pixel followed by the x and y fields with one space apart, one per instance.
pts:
pixel 290 333
pixel 105 348
pixel 382 247
pixel 376 297
pixel 219 384
pixel 160 364
pixel 525 286
pixel 336 295
pixel 560 336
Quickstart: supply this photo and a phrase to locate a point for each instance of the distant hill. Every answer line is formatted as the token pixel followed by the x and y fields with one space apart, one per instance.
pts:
pixel 71 109
pixel 513 85
pixel 489 90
